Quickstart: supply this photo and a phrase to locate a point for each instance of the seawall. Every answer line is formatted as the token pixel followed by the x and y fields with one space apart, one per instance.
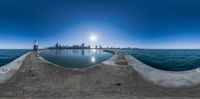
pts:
pixel 164 78
pixel 8 70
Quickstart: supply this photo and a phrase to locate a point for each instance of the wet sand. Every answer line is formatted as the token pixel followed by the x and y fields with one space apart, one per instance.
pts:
pixel 39 79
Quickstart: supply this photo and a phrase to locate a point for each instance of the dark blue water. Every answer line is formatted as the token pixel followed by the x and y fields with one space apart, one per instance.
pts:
pixel 6 56
pixel 172 60
pixel 75 58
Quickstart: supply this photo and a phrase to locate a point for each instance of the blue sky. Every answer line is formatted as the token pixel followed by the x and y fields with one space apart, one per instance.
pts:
pixel 121 23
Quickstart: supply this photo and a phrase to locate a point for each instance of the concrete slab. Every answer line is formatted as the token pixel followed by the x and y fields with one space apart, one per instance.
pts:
pixel 165 78
pixel 7 71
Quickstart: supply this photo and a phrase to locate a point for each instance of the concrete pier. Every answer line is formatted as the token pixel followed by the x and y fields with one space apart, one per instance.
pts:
pixel 175 79
pixel 37 78
pixel 7 71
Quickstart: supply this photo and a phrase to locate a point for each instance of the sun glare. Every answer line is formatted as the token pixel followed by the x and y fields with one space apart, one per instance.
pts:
pixel 93 38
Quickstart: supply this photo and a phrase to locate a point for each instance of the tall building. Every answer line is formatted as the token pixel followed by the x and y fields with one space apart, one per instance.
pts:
pixel 35 46
pixel 56 46
pixel 82 45
pixel 100 47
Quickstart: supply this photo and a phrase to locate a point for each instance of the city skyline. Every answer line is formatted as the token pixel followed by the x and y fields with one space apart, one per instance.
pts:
pixel 122 23
pixel 78 46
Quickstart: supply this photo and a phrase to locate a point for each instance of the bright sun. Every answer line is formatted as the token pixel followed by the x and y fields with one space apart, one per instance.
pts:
pixel 93 38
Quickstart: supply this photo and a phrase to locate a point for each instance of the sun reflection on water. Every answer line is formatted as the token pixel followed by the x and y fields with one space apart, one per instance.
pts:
pixel 93 59
pixel 94 50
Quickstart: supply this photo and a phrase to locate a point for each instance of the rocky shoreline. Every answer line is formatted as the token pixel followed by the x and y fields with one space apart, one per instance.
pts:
pixel 39 79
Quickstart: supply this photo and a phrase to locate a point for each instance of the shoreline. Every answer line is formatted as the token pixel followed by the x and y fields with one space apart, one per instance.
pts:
pixel 39 79
pixel 11 68
pixel 164 78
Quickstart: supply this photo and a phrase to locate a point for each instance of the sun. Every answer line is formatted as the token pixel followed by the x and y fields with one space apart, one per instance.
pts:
pixel 93 38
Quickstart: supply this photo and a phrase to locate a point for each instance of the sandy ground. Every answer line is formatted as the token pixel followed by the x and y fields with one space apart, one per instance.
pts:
pixel 38 79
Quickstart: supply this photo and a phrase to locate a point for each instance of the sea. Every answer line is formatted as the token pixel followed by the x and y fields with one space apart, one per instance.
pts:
pixel 168 59
pixel 165 59
pixel 8 55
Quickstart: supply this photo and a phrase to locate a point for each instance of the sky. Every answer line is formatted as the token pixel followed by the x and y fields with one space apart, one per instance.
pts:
pixel 151 24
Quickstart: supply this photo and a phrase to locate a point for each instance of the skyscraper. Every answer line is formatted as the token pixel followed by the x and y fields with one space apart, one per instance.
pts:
pixel 56 45
pixel 82 45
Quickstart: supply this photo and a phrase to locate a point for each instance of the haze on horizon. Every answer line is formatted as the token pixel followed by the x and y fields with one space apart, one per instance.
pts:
pixel 151 24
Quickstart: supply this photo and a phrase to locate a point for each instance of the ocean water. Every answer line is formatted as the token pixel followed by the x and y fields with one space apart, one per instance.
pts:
pixel 76 58
pixel 8 55
pixel 168 59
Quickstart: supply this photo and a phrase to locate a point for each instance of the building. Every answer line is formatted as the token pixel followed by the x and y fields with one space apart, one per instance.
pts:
pixel 35 46
pixel 88 47
pixel 82 45
pixel 57 45
pixel 100 47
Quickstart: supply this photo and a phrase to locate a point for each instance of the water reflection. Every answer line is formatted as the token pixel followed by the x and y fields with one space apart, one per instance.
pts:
pixel 83 52
pixel 76 58
pixel 94 50
pixel 58 52
pixel 93 59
